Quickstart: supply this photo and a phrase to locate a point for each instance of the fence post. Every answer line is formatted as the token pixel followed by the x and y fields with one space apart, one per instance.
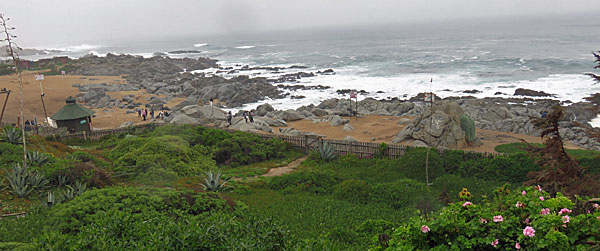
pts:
pixel 306 146
pixel 84 136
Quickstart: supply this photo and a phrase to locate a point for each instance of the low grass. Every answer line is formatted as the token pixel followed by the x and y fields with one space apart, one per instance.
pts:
pixel 310 216
pixel 520 147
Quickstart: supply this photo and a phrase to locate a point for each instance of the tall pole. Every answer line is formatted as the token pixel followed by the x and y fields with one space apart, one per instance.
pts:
pixel 4 107
pixel 42 97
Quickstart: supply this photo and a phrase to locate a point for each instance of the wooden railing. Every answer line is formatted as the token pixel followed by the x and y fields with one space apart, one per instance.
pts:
pixel 306 143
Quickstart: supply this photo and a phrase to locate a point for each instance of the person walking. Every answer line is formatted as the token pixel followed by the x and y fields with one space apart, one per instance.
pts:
pixel 251 115
pixel 229 117
pixel 245 113
pixel 139 112
pixel 144 114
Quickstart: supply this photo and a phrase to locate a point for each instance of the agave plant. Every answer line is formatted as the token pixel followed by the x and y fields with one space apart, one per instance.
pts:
pixel 18 181
pixel 12 135
pixel 326 152
pixel 79 187
pixel 62 179
pixel 213 181
pixel 36 158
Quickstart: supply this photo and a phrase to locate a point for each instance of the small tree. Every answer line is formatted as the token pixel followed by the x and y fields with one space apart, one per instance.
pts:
pixel 594 76
pixel 560 172
pixel 10 49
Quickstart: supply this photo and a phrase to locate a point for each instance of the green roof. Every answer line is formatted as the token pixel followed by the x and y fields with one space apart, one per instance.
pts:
pixel 71 111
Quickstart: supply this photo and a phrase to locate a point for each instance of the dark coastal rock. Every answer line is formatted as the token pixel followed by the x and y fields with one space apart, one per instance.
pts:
pixel 263 109
pixel 531 93
pixel 471 91
pixel 326 72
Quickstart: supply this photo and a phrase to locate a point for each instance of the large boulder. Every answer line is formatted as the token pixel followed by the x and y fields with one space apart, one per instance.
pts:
pixel 263 109
pixel 181 119
pixel 290 115
pixel 335 120
pixel 438 127
pixel 204 114
pixel 258 125
pixel 271 121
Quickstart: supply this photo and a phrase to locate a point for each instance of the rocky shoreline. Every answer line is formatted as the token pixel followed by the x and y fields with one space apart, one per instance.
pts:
pixel 173 78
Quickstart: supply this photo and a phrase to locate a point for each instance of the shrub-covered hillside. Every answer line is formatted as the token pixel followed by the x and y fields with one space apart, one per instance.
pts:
pixel 196 188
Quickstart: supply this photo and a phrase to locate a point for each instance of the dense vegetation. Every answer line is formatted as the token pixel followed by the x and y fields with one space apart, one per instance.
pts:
pixel 151 191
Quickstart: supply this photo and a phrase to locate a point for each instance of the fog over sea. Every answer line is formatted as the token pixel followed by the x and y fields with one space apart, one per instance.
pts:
pixel 390 61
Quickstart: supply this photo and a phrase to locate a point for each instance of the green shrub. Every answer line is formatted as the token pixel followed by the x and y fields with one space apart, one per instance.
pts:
pixel 310 181
pixel 14 246
pixel 155 174
pixel 468 126
pixel 80 211
pixel 88 157
pixel 120 230
pixel 508 168
pixel 452 159
pixel 10 154
pixel 403 193
pixel 139 154
pixel 244 148
pixel 412 164
pixel 472 227
pixel 375 227
pixel 352 190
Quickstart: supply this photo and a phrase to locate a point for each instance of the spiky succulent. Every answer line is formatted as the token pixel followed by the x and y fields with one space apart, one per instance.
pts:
pixel 213 182
pixel 12 135
pixel 326 152
pixel 22 181
pixel 36 158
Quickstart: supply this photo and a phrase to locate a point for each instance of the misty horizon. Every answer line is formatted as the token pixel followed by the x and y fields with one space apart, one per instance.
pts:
pixel 41 24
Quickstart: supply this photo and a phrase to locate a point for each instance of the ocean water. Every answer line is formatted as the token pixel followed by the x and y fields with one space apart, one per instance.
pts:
pixel 494 58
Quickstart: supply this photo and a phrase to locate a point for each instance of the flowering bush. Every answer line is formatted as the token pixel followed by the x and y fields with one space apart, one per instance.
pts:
pixel 514 220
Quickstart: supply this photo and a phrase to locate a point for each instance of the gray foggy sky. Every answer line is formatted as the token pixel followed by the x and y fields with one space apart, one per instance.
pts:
pixel 62 22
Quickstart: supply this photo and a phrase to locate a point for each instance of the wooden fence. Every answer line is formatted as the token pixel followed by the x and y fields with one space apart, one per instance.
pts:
pixel 306 143
pixel 99 134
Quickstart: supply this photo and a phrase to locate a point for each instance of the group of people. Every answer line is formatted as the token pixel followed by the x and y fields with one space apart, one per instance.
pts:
pixel 248 115
pixel 145 114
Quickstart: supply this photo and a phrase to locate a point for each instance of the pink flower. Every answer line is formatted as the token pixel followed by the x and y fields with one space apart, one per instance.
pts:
pixel 598 217
pixel 566 219
pixel 467 204
pixel 494 243
pixel 527 221
pixel 425 229
pixel 542 198
pixel 483 220
pixel 519 204
pixel 498 218
pixel 523 193
pixel 564 210
pixel 539 188
pixel 564 225
pixel 545 211
pixel 517 245
pixel 529 231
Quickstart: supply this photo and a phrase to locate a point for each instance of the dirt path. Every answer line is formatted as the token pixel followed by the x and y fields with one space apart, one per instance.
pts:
pixel 285 169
